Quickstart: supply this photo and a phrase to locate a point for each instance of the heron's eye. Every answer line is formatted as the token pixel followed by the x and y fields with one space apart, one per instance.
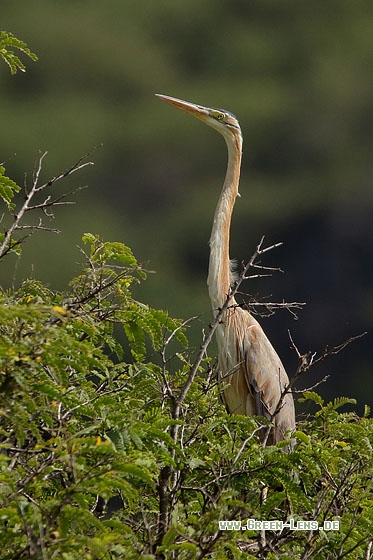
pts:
pixel 218 115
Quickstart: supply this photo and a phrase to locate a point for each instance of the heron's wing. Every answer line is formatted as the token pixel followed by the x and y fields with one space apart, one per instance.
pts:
pixel 266 379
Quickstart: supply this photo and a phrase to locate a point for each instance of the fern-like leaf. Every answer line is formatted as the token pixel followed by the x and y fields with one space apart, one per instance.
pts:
pixel 8 188
pixel 8 42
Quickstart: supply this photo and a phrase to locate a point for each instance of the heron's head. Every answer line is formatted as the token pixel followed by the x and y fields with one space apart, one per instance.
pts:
pixel 219 119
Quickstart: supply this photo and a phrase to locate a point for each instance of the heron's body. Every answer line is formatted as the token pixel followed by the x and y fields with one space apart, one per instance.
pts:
pixel 252 373
pixel 250 370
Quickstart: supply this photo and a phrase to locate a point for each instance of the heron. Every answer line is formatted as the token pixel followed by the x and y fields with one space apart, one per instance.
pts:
pixel 253 379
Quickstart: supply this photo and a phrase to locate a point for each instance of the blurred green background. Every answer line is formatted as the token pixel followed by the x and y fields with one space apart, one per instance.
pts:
pixel 299 77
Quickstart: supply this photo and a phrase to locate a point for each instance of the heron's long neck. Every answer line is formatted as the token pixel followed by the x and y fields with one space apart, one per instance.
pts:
pixel 219 271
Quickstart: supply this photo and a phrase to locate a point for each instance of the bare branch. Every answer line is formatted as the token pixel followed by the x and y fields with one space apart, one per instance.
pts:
pixel 306 361
pixel 37 170
pixel 312 387
pixel 270 307
pixel 337 349
pixel 261 251
pixel 48 202
pixel 39 227
pixel 9 243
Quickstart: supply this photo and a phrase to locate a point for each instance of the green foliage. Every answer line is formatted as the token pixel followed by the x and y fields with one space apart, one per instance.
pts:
pixel 8 42
pixel 8 188
pixel 63 399
pixel 95 461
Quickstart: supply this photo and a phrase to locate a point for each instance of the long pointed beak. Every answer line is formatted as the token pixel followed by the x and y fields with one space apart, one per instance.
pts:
pixel 191 108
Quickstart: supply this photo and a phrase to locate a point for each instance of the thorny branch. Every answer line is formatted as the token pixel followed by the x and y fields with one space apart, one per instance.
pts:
pixel 9 242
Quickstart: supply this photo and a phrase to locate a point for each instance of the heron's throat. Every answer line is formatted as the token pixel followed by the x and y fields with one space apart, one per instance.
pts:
pixel 219 277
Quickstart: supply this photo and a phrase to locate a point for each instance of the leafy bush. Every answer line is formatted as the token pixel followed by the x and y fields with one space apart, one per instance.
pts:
pixel 96 464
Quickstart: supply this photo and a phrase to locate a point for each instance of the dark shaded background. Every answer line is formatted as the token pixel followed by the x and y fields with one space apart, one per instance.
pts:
pixel 299 77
